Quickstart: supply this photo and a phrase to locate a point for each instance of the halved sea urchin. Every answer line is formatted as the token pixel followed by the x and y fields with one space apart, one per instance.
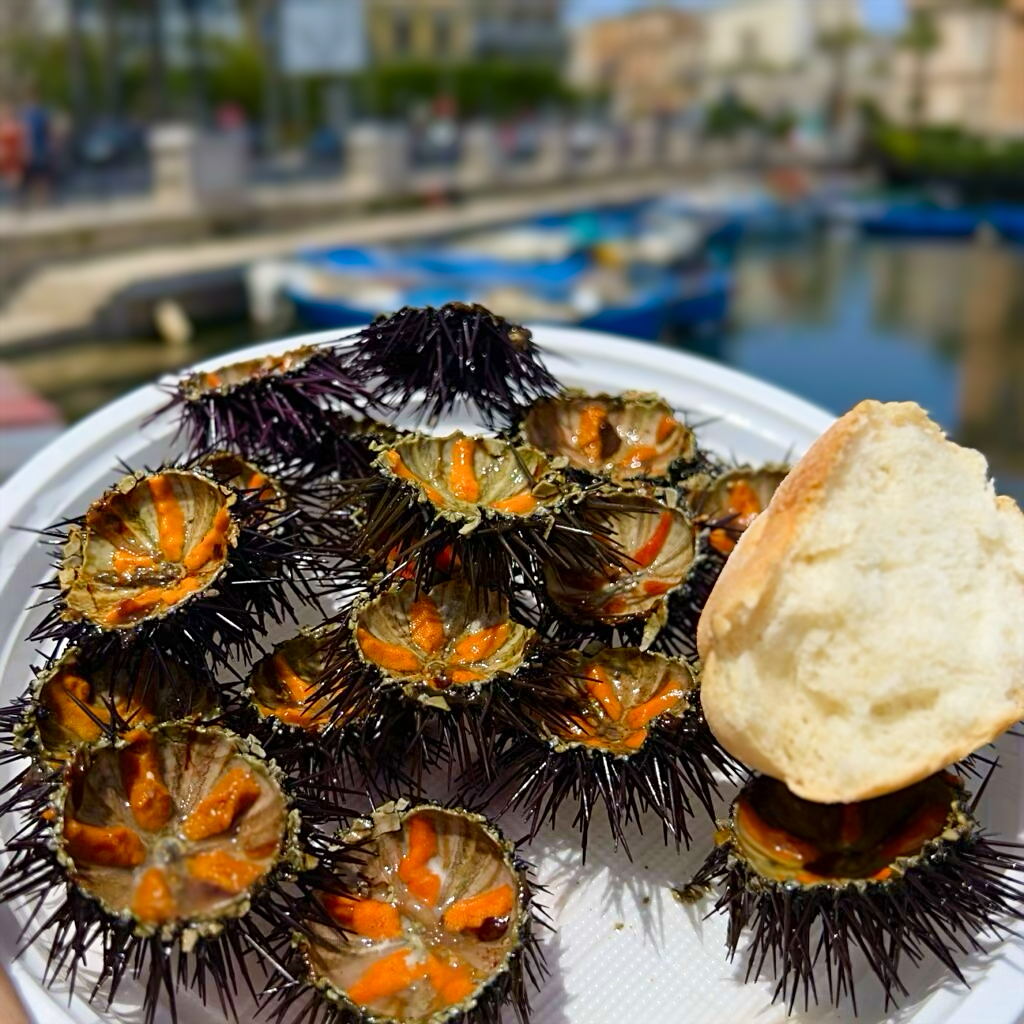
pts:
pixel 632 436
pixel 433 673
pixel 629 735
pixel 170 561
pixel 161 852
pixel 642 598
pixel 272 405
pixel 496 512
pixel 437 926
pixel 896 877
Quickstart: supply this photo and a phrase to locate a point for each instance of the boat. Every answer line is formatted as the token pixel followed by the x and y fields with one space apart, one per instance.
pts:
pixel 921 220
pixel 639 305
pixel 1008 220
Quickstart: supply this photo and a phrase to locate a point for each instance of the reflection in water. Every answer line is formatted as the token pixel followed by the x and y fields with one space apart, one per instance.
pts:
pixel 841 320
pixel 834 320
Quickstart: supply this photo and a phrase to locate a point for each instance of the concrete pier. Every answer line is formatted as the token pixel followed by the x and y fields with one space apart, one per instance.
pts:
pixel 115 294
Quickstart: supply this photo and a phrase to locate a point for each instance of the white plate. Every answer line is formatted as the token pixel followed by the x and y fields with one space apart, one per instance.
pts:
pixel 623 950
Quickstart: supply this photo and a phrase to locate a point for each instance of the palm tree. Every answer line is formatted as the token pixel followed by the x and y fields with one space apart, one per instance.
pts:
pixel 197 59
pixel 838 43
pixel 78 89
pixel 154 22
pixel 921 38
pixel 111 60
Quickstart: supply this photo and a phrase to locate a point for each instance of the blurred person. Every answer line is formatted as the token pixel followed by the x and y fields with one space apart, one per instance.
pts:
pixel 37 178
pixel 12 148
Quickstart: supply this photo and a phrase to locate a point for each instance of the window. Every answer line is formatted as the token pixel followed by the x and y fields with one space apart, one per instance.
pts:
pixel 401 34
pixel 442 35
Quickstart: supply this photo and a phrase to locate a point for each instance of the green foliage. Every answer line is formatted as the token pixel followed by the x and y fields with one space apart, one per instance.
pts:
pixel 983 167
pixel 729 116
pixel 921 35
pixel 235 74
pixel 497 87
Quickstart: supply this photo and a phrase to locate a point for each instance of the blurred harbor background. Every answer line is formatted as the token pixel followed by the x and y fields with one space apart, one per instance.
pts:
pixel 828 194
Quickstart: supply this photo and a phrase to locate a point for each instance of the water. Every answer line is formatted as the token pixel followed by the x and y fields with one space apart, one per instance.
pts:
pixel 939 324
pixel 834 320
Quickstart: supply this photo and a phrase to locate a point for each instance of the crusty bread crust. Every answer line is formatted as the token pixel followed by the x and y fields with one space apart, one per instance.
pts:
pixel 749 581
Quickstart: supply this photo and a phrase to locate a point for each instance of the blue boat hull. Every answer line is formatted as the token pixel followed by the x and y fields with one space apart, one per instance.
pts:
pixel 923 223
pixel 328 312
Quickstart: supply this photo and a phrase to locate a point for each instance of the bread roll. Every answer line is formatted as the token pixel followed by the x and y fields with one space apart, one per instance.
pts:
pixel 868 629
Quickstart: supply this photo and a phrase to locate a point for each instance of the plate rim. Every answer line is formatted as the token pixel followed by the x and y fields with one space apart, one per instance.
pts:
pixel 571 344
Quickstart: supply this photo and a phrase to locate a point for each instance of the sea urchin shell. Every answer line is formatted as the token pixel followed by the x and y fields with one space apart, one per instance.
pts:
pixel 897 876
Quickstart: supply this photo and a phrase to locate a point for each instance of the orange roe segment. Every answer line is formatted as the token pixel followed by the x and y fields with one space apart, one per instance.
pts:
pixel 462 479
pixel 651 547
pixel 743 499
pixel 170 519
pixel 655 588
pixel 782 847
pixel 213 380
pixel 299 690
pixel 152 901
pixel 65 697
pixel 425 624
pixel 124 562
pixel 474 910
pixel 148 797
pixel 667 698
pixel 212 545
pixel 665 428
pixel 412 869
pixel 452 982
pixel 481 645
pixel 215 867
pixel 637 456
pixel 388 656
pixel 302 717
pixel 635 740
pixel 131 607
pixel 592 419
pixel 464 675
pixel 518 505
pixel 398 467
pixel 387 977
pixel 600 688
pixel 115 847
pixel 233 795
pixel 722 541
pixel 373 919
pixel 403 472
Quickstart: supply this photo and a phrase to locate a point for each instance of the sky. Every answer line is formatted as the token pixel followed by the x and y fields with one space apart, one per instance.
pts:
pixel 879 14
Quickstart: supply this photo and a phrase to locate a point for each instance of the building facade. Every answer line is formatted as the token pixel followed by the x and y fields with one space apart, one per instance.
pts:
pixel 770 53
pixel 973 77
pixel 647 62
pixel 461 30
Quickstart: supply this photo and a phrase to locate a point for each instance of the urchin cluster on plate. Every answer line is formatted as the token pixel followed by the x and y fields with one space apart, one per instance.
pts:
pixel 205 807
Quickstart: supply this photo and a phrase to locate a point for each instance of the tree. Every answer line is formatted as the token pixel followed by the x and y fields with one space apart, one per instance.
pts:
pixel 78 99
pixel 838 43
pixel 921 38
pixel 112 66
pixel 197 60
